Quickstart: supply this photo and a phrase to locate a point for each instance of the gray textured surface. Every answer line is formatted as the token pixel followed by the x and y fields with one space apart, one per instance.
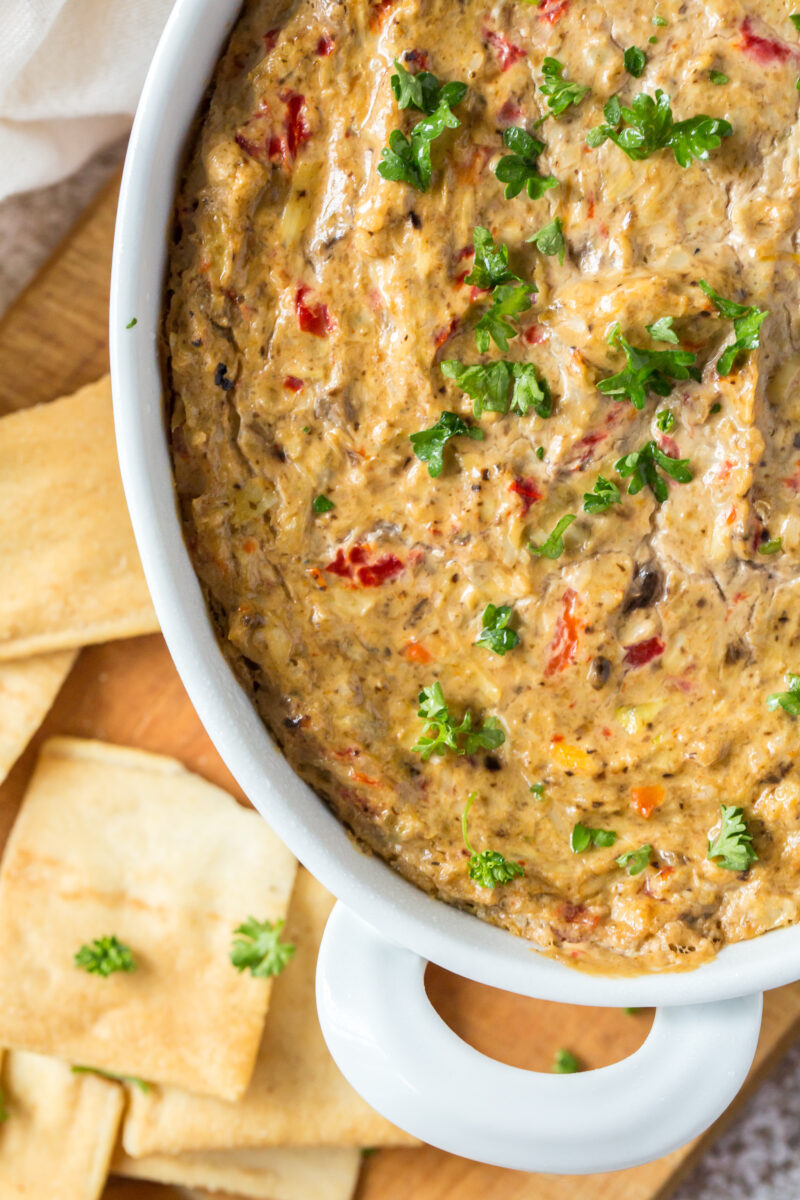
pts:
pixel 759 1157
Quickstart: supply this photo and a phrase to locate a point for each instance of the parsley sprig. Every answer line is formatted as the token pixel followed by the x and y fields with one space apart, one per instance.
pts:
pixel 519 169
pixel 508 300
pixel 789 701
pixel 553 546
pixel 490 868
pixel 442 733
pixel 501 386
pixel 646 371
pixel 649 125
pixel 747 322
pixel 582 837
pixel 561 93
pixel 429 444
pixel 257 947
pixel 662 331
pixel 732 848
pixel 550 239
pixel 604 493
pixel 490 267
pixel 641 467
pixel 496 634
pixel 635 61
pixel 636 860
pixel 104 956
pixel 408 159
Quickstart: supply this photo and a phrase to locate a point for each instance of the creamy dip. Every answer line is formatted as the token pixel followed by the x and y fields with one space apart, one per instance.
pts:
pixel 311 304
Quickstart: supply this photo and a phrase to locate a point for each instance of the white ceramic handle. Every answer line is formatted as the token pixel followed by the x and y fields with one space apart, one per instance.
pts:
pixel 396 1051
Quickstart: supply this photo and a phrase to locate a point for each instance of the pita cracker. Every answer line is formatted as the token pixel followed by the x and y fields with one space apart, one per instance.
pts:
pixel 117 841
pixel 297 1096
pixel 276 1173
pixel 28 687
pixel 60 1131
pixel 72 572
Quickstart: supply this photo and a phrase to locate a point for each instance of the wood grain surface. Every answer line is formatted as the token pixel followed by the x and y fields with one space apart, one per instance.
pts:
pixel 52 341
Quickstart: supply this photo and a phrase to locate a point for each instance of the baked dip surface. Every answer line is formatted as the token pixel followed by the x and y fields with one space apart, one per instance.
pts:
pixel 635 797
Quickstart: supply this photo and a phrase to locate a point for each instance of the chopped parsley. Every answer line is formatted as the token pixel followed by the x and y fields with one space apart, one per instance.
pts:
pixel 561 93
pixel 565 1063
pixel 641 467
pixel 795 19
pixel 518 169
pixel 550 239
pixel 490 268
pixel 646 371
pixel 662 331
pixel 104 956
pixel 429 444
pixel 732 848
pixel 508 300
pixel 553 547
pixel 653 40
pixel 648 126
pixel 540 452
pixel 537 789
pixel 500 386
pixel 657 20
pixel 635 61
pixel 582 837
pixel 408 159
pixel 134 1080
pixel 489 868
pixel 789 701
pixel 747 322
pixel 715 408
pixel 718 78
pixel 773 546
pixel 495 633
pixel 322 504
pixel 441 731
pixel 602 496
pixel 665 420
pixel 636 860
pixel 133 321
pixel 259 948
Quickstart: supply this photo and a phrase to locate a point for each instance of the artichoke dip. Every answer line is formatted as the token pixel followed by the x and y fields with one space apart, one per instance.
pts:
pixel 482 343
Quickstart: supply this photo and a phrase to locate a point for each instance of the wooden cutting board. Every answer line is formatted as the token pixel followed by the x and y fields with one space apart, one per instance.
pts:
pixel 54 340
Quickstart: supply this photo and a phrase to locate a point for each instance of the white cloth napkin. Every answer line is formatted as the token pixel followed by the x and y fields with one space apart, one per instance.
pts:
pixel 70 76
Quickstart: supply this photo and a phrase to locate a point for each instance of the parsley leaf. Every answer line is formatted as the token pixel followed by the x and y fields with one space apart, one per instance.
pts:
pixel 259 948
pixel 561 93
pixel 665 420
pixel 732 848
pixel 648 126
pixel 550 239
pixel 641 468
pixel 508 300
pixel 424 91
pixel 141 1084
pixel 495 633
pixel 565 1063
pixel 446 734
pixel 646 371
pixel 795 19
pixel 662 331
pixel 788 701
pixel 491 261
pixel 322 504
pixel 635 60
pixel 636 860
pixel 537 789
pixel 582 837
pixel 717 77
pixel 104 956
pixel 773 546
pixel 747 322
pixel 489 868
pixel 553 547
pixel 408 159
pixel 488 384
pixel 518 170
pixel 429 444
pixel 603 495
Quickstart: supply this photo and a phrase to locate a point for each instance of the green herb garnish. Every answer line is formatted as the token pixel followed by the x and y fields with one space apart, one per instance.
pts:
pixel 665 420
pixel 508 300
pixel 553 547
pixel 582 837
pixel 408 159
pixel 133 321
pixel 717 77
pixel 540 452
pixel 635 61
pixel 747 322
pixel 646 371
pixel 537 790
pixel 773 546
pixel 429 444
pixel 715 408
pixel 518 170
pixel 259 949
pixel 495 633
pixel 648 126
pixel 134 1080
pixel 565 1063
pixel 561 93
pixel 423 91
pixel 500 386
pixel 789 701
pixel 442 733
pixel 656 20
pixel 490 268
pixel 636 860
pixel 641 468
pixel 603 495
pixel 795 19
pixel 662 331
pixel 322 504
pixel 550 239
pixel 104 956
pixel 732 848
pixel 489 868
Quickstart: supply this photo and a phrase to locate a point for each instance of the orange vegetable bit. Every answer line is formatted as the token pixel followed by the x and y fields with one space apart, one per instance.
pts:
pixel 645 799
pixel 416 652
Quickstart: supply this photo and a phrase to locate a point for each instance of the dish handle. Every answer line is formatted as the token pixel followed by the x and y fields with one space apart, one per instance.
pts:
pixel 397 1052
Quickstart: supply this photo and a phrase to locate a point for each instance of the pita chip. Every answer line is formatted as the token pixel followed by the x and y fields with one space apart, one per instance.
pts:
pixel 28 687
pixel 267 1174
pixel 58 1136
pixel 297 1096
pixel 72 571
pixel 117 841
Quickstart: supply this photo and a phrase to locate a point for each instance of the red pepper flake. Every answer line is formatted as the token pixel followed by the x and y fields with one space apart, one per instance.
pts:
pixel 509 113
pixel 641 653
pixel 477 293
pixel 297 130
pixel 590 207
pixel 356 565
pixel 669 446
pixel 249 545
pixel 325 46
pixel 527 490
pixel 565 639
pixel 763 49
pixel 271 39
pixel 445 332
pixel 379 13
pixel 552 10
pixel 360 777
pixel 466 252
pixel 316 319
pixel 416 652
pixel 419 58
pixel 459 279
pixel 535 334
pixel 507 52
pixel 339 566
pixel 585 446
pixel 293 383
